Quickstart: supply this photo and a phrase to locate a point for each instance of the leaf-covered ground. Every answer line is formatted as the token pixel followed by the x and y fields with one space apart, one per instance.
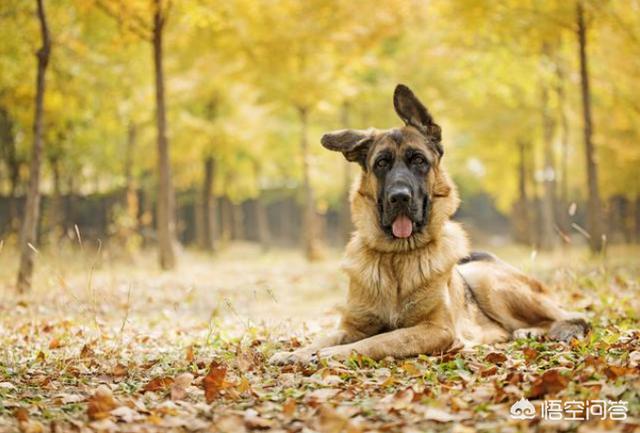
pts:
pixel 108 344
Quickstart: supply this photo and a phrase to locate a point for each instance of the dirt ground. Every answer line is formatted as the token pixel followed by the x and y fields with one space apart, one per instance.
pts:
pixel 108 343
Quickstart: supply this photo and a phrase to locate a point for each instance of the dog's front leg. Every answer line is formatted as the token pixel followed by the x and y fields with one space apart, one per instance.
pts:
pixel 424 338
pixel 304 355
pixel 350 330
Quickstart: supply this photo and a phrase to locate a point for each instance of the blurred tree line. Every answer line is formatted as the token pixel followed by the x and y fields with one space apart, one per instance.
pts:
pixel 154 121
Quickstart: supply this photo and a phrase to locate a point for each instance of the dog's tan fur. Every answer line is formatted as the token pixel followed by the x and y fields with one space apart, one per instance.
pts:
pixel 409 296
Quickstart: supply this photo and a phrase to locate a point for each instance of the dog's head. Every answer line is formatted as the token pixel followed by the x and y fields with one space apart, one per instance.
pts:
pixel 403 186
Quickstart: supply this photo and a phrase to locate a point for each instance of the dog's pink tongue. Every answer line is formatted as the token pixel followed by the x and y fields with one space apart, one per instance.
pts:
pixel 402 227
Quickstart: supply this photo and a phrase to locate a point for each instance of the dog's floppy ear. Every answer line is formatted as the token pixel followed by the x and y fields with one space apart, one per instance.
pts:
pixel 354 144
pixel 413 113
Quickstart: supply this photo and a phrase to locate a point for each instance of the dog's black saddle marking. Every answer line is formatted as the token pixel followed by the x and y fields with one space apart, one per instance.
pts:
pixel 477 256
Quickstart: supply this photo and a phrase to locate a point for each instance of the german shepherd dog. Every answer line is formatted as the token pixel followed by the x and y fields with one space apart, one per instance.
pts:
pixel 414 286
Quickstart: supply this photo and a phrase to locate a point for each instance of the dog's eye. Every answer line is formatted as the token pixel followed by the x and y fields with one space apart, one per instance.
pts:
pixel 382 163
pixel 418 160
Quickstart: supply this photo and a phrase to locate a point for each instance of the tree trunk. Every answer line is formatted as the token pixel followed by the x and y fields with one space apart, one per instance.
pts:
pixel 57 207
pixel 594 210
pixel 264 234
pixel 226 219
pixel 8 153
pixel 28 235
pixel 563 205
pixel 522 223
pixel 207 202
pixel 636 219
pixel 237 215
pixel 165 218
pixel 548 239
pixel 309 236
pixel 131 187
pixel 346 226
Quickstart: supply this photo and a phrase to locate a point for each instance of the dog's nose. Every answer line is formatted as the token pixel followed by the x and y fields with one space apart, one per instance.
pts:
pixel 400 195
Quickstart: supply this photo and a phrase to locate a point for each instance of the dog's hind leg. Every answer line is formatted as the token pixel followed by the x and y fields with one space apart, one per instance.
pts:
pixel 520 304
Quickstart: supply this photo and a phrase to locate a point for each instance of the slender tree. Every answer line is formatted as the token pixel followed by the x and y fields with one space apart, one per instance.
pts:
pixel 28 234
pixel 152 31
pixel 547 236
pixel 8 154
pixel 207 209
pixel 165 209
pixel 563 201
pixel 309 225
pixel 594 211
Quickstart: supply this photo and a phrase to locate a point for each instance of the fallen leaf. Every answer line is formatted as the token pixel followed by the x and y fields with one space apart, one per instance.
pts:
pixel 330 421
pixel 126 414
pixel 489 371
pixel 613 371
pixel 322 394
pixel 180 385
pixel 440 415
pixel 289 407
pixel 214 382
pixel 21 414
pixel 7 385
pixel 189 354
pixel 230 424
pixel 496 357
pixel 255 422
pixel 55 344
pixel 101 403
pixel 86 352
pixel 244 385
pixel 158 384
pixel 119 370
pixel 530 354
pixel 411 369
pixel 551 382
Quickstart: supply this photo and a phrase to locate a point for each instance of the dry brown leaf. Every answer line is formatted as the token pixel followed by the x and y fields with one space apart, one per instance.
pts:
pixel 179 387
pixel 496 357
pixel 86 352
pixel 244 385
pixel 214 381
pixel 530 354
pixel 158 384
pixel 255 422
pixel 613 372
pixel 440 415
pixel 551 382
pixel 101 403
pixel 55 343
pixel 330 421
pixel 411 369
pixel 489 371
pixel 119 370
pixel 189 356
pixel 322 394
pixel 21 414
pixel 289 407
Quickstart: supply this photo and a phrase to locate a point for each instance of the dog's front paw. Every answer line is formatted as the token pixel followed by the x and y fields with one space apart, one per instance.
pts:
pixel 335 352
pixel 524 333
pixel 296 357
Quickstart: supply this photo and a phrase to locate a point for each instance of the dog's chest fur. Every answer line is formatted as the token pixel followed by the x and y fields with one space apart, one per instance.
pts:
pixel 401 287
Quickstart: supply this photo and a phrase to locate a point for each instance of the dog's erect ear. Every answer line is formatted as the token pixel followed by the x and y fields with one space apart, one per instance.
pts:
pixel 354 144
pixel 413 113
